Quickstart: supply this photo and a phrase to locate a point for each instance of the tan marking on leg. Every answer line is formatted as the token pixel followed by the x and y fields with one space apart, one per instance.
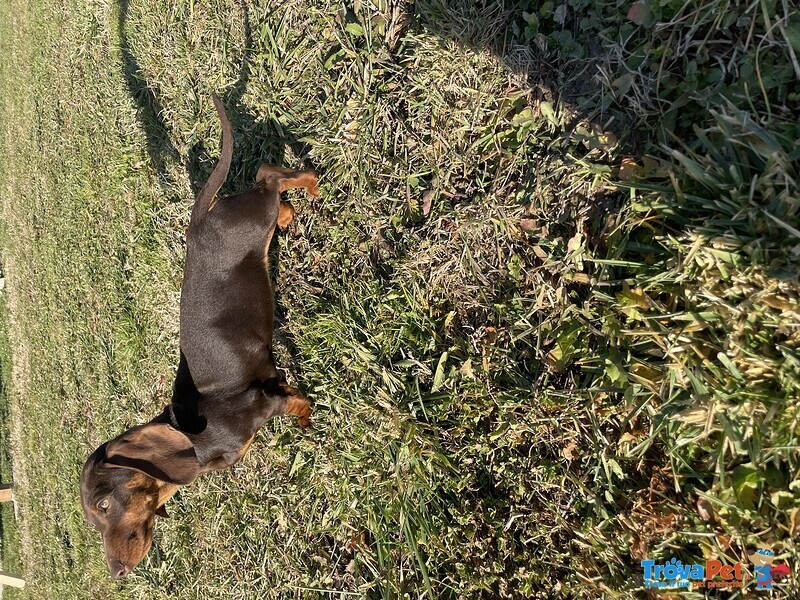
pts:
pixel 225 461
pixel 285 215
pixel 287 179
pixel 298 405
pixel 304 179
pixel 245 448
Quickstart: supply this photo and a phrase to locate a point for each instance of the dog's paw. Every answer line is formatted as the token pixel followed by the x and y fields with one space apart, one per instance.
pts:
pixel 304 415
pixel 301 408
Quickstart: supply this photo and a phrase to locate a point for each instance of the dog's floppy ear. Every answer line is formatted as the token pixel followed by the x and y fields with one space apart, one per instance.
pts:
pixel 157 450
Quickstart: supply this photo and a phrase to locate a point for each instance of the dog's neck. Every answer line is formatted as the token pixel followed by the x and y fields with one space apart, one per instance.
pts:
pixel 182 417
pixel 183 412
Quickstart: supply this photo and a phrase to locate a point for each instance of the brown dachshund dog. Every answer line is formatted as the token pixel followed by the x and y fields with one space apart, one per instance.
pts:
pixel 227 385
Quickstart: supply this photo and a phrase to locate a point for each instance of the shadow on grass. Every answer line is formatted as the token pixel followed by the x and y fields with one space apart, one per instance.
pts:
pixel 159 145
pixel 263 142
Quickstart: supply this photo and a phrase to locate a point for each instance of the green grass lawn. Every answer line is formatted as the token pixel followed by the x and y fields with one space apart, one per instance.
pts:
pixel 546 307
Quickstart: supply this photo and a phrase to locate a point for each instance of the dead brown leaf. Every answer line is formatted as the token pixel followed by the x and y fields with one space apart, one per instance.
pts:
pixel 581 278
pixel 537 250
pixel 658 485
pixel 594 137
pixel 638 548
pixel 427 200
pixel 778 302
pixel 466 369
pixel 705 509
pixel 638 12
pixel 568 451
pixel 627 169
pixel 794 522
pixel 574 242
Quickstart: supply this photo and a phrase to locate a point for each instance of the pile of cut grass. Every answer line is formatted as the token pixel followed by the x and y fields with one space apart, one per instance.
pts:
pixel 546 306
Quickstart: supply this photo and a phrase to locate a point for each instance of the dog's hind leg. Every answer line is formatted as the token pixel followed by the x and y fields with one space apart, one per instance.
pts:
pixel 285 215
pixel 287 179
pixel 297 404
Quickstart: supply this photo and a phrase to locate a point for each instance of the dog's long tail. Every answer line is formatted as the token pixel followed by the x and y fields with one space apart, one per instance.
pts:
pixel 220 173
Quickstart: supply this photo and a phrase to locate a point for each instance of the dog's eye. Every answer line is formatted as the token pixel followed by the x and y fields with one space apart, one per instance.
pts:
pixel 103 504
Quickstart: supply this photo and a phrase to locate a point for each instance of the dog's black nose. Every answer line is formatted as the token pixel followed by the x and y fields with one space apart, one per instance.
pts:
pixel 119 570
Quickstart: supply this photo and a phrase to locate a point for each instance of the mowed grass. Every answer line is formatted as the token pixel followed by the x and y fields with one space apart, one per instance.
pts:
pixel 546 306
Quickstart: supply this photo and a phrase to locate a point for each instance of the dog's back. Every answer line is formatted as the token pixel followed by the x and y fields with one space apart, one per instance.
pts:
pixel 227 302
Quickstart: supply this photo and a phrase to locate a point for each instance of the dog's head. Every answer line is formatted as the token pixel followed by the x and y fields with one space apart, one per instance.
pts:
pixel 125 483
